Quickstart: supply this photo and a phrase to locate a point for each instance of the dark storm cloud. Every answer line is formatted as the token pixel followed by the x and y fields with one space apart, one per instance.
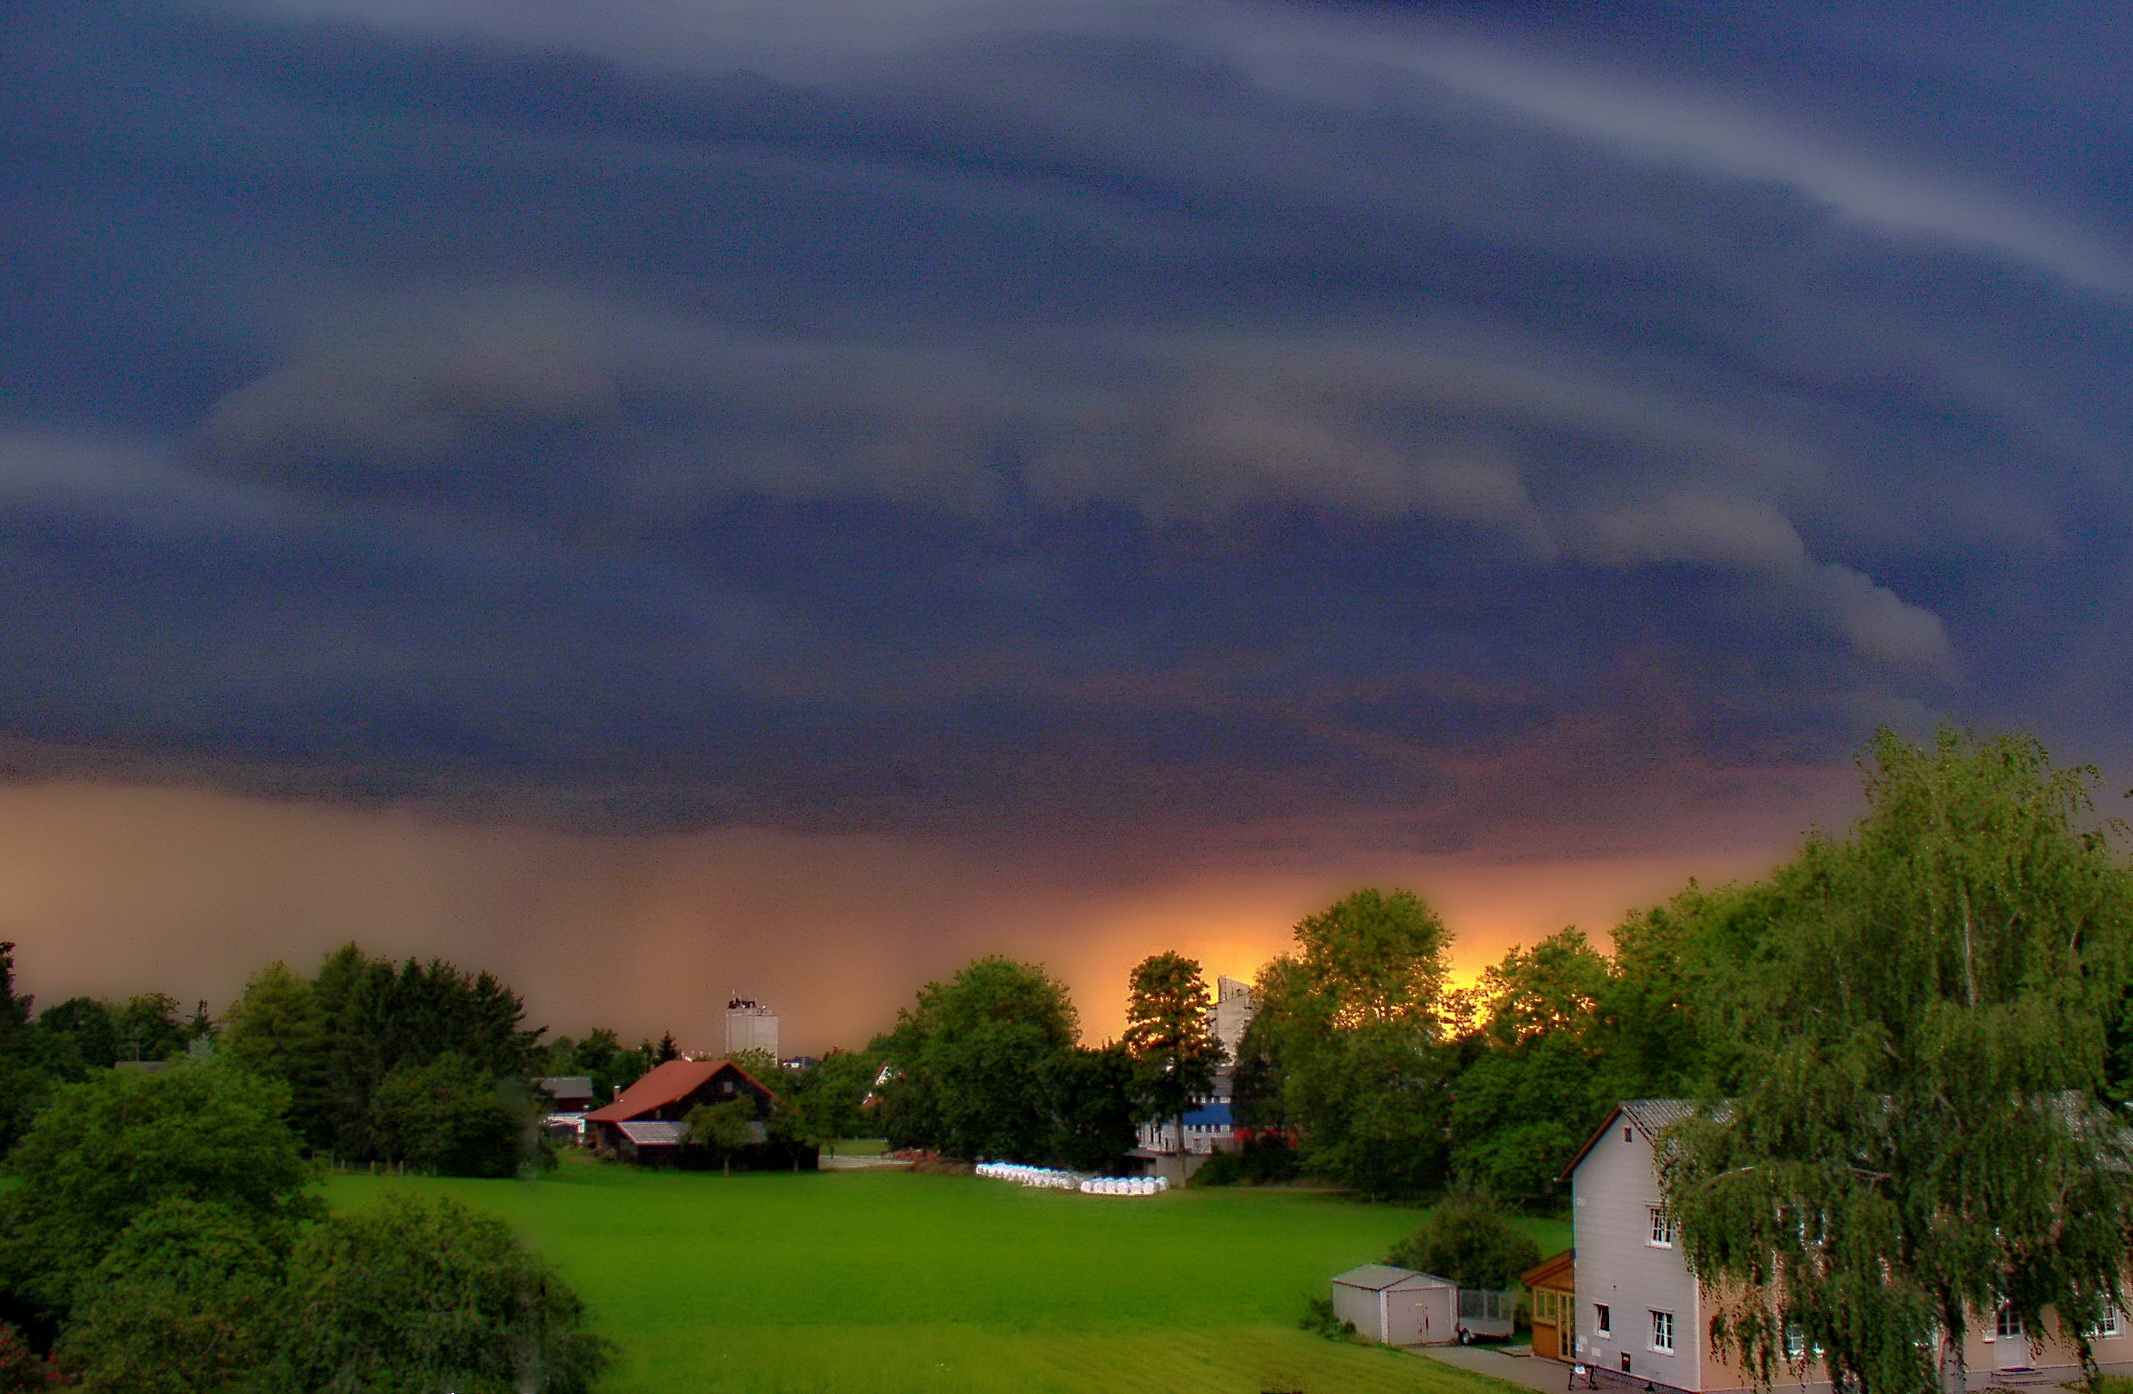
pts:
pixel 945 415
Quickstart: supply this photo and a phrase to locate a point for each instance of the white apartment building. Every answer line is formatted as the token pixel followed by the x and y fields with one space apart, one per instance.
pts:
pixel 751 1026
pixel 1233 1013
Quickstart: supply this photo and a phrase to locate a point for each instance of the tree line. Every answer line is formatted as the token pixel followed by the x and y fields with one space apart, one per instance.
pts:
pixel 1910 1051
pixel 1910 1048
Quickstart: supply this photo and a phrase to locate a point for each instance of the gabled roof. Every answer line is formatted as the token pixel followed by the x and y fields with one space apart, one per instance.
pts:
pixel 1557 1272
pixel 667 1084
pixel 565 1086
pixel 1378 1277
pixel 1650 1117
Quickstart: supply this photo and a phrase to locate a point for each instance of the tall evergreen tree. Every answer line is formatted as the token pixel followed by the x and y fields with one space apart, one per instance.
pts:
pixel 23 1082
pixel 277 1028
pixel 1918 1132
pixel 1169 1036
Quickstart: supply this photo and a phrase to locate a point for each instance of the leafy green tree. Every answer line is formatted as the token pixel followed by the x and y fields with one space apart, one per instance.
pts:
pixel 832 1093
pixel 381 1017
pixel 601 1057
pixel 1536 1082
pixel 106 1151
pixel 759 1065
pixel 1169 1036
pixel 77 1036
pixel 722 1129
pixel 277 1029
pixel 1353 1030
pixel 1468 1239
pixel 420 1293
pixel 188 1299
pixel 148 1027
pixel 1096 1094
pixel 1915 1045
pixel 972 1059
pixel 447 1118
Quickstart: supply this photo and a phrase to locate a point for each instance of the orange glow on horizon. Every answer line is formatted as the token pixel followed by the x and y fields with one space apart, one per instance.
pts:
pixel 114 890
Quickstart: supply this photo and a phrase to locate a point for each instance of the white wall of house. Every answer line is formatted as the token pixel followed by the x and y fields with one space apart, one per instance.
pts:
pixel 1614 1191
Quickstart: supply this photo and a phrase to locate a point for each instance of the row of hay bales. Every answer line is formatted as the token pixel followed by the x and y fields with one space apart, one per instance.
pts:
pixel 1051 1178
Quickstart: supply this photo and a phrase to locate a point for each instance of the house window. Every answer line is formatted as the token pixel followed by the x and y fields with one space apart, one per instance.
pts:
pixel 2107 1324
pixel 1662 1228
pixel 1796 1343
pixel 1663 1332
pixel 1625 1134
pixel 2007 1326
pixel 1603 1321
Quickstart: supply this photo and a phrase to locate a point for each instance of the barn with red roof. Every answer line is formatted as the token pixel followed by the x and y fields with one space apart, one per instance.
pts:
pixel 649 1121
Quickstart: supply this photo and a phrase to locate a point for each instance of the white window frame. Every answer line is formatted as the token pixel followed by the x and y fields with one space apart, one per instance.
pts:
pixel 1662 1230
pixel 1602 1319
pixel 1795 1341
pixel 2002 1316
pixel 2107 1324
pixel 1663 1332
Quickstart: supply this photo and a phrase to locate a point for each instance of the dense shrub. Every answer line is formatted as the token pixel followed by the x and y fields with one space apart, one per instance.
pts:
pixel 107 1151
pixel 422 1293
pixel 21 1369
pixel 188 1299
pixel 448 1118
pixel 1468 1239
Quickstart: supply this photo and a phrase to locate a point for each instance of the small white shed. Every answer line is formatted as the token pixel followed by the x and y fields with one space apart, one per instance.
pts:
pixel 1397 1306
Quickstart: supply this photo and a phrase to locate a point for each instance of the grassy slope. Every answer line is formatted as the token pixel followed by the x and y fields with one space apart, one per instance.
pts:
pixel 895 1282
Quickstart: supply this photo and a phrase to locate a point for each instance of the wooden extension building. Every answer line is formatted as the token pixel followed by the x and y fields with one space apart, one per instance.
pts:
pixel 1551 1287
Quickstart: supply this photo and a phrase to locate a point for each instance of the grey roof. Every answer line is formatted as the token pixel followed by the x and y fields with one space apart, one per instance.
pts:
pixel 566 1086
pixel 1378 1277
pixel 653 1132
pixel 1652 1117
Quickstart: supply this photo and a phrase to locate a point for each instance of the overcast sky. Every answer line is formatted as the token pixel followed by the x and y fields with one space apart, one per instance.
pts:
pixel 659 497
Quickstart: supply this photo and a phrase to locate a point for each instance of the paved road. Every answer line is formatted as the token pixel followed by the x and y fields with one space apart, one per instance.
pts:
pixel 1546 1375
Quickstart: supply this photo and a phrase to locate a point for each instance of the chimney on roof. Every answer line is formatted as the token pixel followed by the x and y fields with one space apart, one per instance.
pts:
pixel 618 1090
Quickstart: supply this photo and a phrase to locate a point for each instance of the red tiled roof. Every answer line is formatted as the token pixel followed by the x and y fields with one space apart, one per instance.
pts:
pixel 666 1084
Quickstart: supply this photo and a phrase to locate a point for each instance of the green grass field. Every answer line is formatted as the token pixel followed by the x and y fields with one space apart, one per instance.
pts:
pixel 893 1282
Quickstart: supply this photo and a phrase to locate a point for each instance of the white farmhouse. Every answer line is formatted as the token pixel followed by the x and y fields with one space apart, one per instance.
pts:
pixel 1639 1312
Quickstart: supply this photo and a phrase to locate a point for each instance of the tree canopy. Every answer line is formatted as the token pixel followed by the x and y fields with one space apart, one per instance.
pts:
pixel 972 1061
pixel 1350 1045
pixel 1912 1046
pixel 104 1152
pixel 1169 1035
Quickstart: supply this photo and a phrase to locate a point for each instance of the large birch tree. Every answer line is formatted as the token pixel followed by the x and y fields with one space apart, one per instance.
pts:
pixel 1918 1132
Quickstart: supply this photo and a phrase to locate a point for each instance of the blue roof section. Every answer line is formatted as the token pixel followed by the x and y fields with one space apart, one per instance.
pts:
pixel 1208 1116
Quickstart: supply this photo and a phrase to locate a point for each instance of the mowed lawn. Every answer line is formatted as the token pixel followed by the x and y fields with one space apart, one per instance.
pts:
pixel 888 1281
